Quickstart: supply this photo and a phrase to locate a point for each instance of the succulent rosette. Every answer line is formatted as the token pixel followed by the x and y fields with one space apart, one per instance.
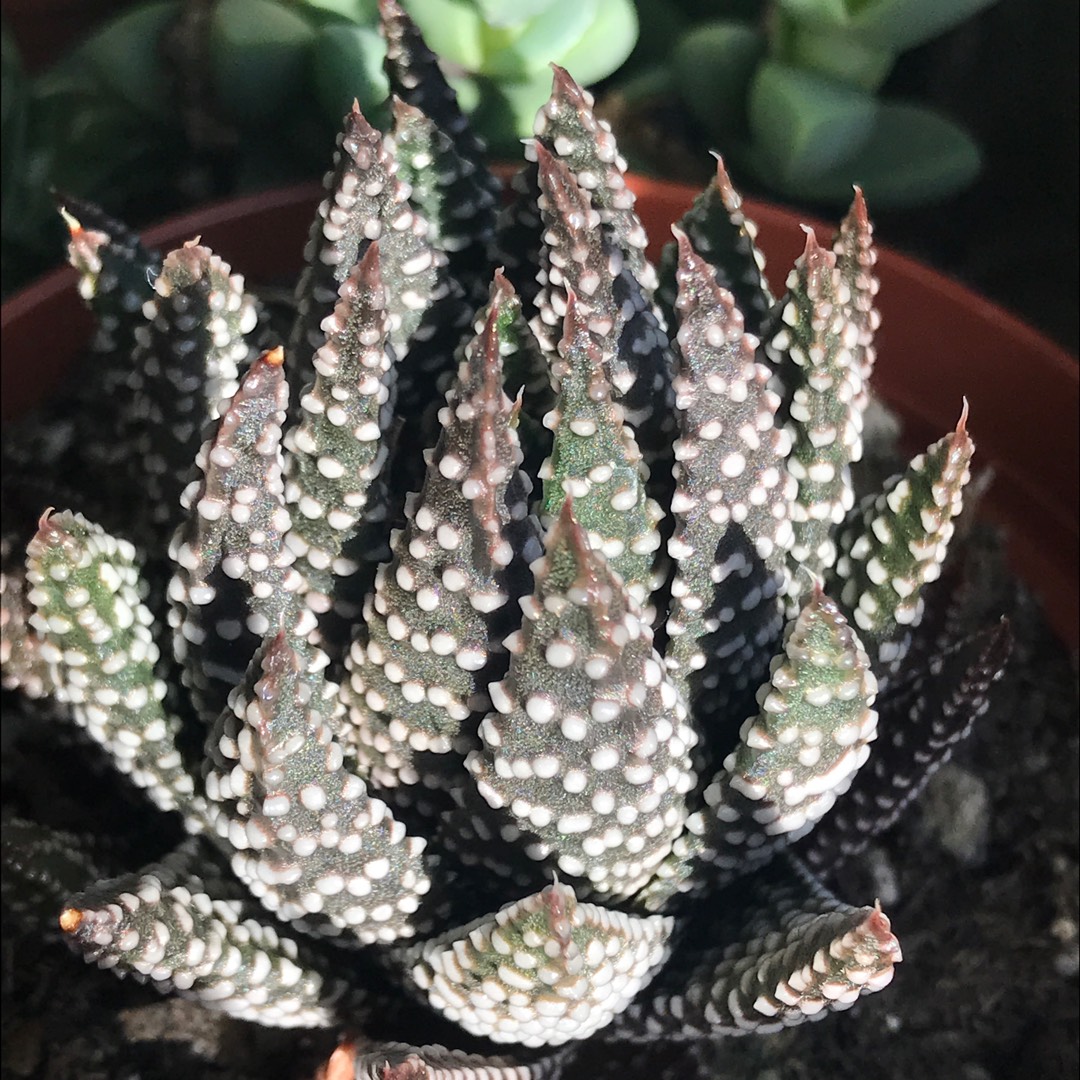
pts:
pixel 509 627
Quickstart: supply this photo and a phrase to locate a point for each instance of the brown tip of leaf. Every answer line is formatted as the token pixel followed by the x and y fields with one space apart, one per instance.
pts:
pixel 275 357
pixel 858 209
pixel 71 221
pixel 341 1065
pixel 877 926
pixel 70 920
pixel 194 242
pixel 722 180
pixel 501 284
pixel 961 425
pixel 563 84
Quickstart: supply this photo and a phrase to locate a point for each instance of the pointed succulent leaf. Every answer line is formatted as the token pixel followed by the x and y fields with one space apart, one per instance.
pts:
pixel 234 582
pixel 187 362
pixel 416 77
pixel 809 738
pixel 596 462
pixel 116 274
pixel 589 746
pixel 22 667
pixel 338 449
pixel 568 128
pixel 97 638
pixel 856 258
pixel 730 476
pixel 901 541
pixel 443 604
pixel 919 735
pixel 790 959
pixel 42 867
pixel 365 201
pixel 543 970
pixel 163 927
pixel 722 234
pixel 812 346
pixel 311 842
pixel 456 199
pixel 580 257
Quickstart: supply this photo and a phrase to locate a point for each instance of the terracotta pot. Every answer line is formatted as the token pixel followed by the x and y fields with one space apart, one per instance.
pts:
pixel 938 343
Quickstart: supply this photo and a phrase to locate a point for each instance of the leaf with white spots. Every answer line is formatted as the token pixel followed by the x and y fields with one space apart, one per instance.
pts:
pixel 809 738
pixel 338 449
pixel 185 369
pixel 568 128
pixel 856 258
pixel 732 497
pixel 116 277
pixel 543 970
pixel 810 340
pixel 234 581
pixel 901 540
pixel 365 201
pixel 161 926
pixel 310 842
pixel 444 602
pixel 596 462
pixel 769 959
pixel 725 238
pixel 589 746
pixel 456 199
pixel 919 731
pixel 97 640
pixel 415 76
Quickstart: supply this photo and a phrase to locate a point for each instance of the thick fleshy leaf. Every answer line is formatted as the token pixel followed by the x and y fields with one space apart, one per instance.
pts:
pixel 892 24
pixel 97 639
pixel 713 65
pixel 350 65
pixel 913 156
pixel 804 125
pixel 258 51
pixel 543 970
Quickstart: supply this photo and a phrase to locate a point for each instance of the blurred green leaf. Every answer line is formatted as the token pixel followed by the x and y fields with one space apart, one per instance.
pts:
pixel 347 64
pixel 713 65
pixel 608 43
pixel 505 112
pixel 547 37
pixel 913 156
pixel 259 56
pixel 664 24
pixel 453 28
pixel 838 54
pixel 125 55
pixel 503 13
pixel 888 24
pixel 803 125
pixel 321 12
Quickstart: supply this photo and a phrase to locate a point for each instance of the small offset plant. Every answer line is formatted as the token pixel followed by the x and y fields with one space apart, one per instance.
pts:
pixel 792 89
pixel 553 731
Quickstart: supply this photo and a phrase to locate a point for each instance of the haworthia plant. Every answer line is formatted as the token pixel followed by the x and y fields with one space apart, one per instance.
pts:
pixel 616 665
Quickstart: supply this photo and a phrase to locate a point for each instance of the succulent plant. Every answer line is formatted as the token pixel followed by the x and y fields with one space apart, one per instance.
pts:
pixel 556 728
pixel 791 88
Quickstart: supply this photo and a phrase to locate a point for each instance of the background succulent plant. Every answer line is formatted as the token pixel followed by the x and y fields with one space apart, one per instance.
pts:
pixel 790 89
pixel 643 731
